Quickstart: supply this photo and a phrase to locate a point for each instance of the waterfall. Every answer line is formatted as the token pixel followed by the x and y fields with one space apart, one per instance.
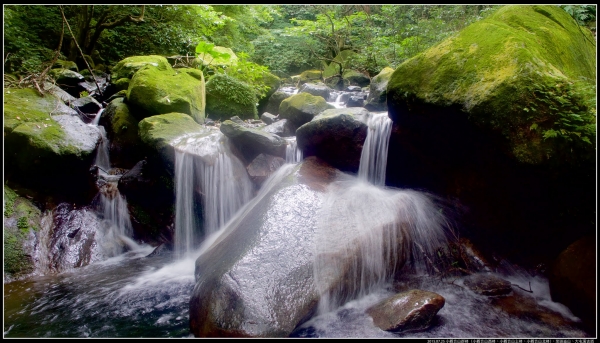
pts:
pixel 97 117
pixel 373 159
pixel 205 165
pixel 292 153
pixel 116 222
pixel 366 233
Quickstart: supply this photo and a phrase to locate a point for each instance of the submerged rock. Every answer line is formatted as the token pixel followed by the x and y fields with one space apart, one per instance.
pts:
pixel 487 284
pixel 263 166
pixel 407 311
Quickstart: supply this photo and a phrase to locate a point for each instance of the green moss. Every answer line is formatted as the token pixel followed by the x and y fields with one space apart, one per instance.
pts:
pixel 122 83
pixel 9 201
pixel 521 72
pixel 127 67
pixel 158 131
pixel 27 106
pixel 227 97
pixel 155 91
pixel 124 126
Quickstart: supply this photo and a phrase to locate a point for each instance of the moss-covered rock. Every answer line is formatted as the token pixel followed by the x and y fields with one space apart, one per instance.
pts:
pixel 301 108
pixel 153 91
pixel 121 84
pixel 20 217
pixel 158 132
pixel 310 76
pixel 127 67
pixel 227 97
pixel 122 131
pixel 377 99
pixel 274 101
pixel 40 147
pixel 526 72
pixel 273 82
pixel 356 78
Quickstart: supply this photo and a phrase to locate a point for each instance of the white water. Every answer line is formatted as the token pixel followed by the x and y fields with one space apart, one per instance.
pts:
pixel 373 159
pixel 205 164
pixel 116 222
pixel 292 153
pixel 97 117
pixel 338 101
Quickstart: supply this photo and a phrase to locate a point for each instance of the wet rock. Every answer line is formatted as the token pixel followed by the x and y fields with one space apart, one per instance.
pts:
pixel 251 142
pixel 336 136
pixel 487 284
pixel 87 105
pixel 353 88
pixel 377 99
pixel 356 78
pixel 317 89
pixel 355 101
pixel 407 311
pixel 268 118
pixel 573 279
pixel 275 100
pixel 280 128
pixel 263 166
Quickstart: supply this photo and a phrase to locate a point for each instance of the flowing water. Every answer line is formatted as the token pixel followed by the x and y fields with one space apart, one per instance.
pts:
pixel 137 295
pixel 292 153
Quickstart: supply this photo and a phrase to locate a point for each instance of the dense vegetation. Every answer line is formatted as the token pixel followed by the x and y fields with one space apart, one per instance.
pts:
pixel 285 38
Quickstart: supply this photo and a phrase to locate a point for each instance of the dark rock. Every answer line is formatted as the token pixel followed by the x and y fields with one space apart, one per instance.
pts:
pixel 280 128
pixel 318 89
pixel 573 279
pixel 355 101
pixel 251 142
pixel 87 105
pixel 275 100
pixel 487 284
pixel 408 311
pixel 263 166
pixel 377 99
pixel 336 136
pixel 268 118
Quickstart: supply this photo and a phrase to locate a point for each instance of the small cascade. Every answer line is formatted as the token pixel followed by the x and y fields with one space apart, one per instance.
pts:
pixel 205 165
pixel 367 233
pixel 97 117
pixel 292 153
pixel 338 103
pixel 112 206
pixel 373 159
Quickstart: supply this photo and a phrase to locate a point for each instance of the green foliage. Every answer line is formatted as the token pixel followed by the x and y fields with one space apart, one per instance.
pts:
pixel 250 73
pixel 227 97
pixel 9 201
pixel 583 14
pixel 22 224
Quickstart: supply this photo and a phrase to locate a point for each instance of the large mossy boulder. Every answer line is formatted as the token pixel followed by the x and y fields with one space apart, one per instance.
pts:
pixel 275 100
pixel 46 147
pixel 122 132
pixel 527 73
pixel 377 98
pixel 126 68
pixel 336 136
pixel 301 108
pixel 273 82
pixel 21 220
pixel 312 75
pixel 227 97
pixel 158 133
pixel 356 78
pixel 499 116
pixel 154 91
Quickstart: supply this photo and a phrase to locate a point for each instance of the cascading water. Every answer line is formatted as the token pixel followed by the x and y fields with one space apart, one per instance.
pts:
pixel 205 164
pixel 373 159
pixel 116 222
pixel 292 153
pixel 367 232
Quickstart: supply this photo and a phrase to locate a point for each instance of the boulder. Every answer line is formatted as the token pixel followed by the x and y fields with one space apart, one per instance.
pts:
pixel 280 128
pixel 46 150
pixel 122 132
pixel 68 80
pixel 356 78
pixel 336 136
pixel 263 166
pixel 318 89
pixel 407 311
pixel 21 220
pixel 273 82
pixel 252 142
pixel 377 99
pixel 477 118
pixel 275 100
pixel 158 133
pixel 309 76
pixel 268 118
pixel 154 91
pixel 487 284
pixel 227 97
pixel 86 105
pixel 573 279
pixel 301 108
pixel 355 101
pixel 126 68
